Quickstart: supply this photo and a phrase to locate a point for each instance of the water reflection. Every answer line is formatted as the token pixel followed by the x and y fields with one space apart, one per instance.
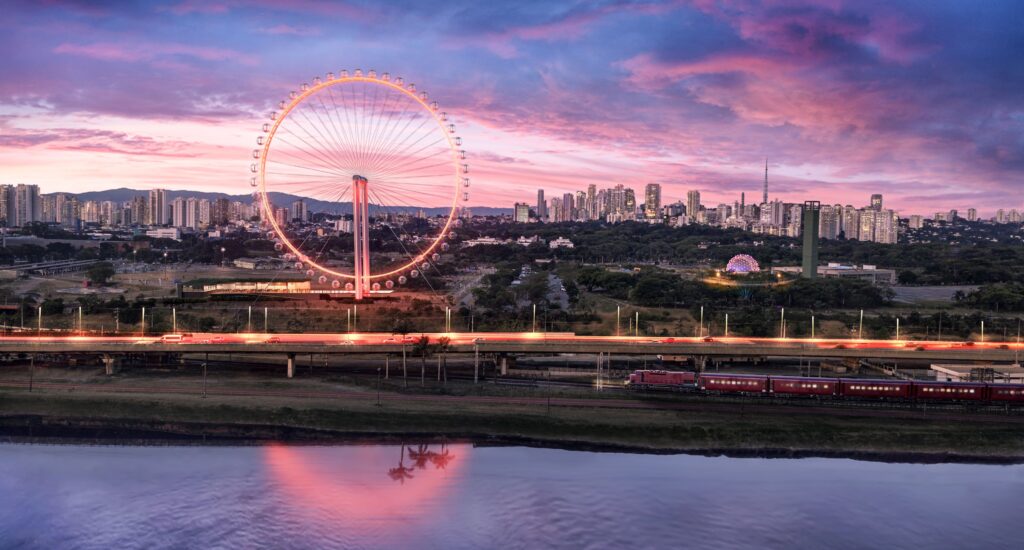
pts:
pixel 345 493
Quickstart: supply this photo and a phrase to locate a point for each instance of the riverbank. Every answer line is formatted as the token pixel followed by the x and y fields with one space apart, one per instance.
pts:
pixel 84 415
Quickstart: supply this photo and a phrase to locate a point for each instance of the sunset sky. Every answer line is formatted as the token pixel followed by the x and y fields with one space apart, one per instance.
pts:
pixel 922 101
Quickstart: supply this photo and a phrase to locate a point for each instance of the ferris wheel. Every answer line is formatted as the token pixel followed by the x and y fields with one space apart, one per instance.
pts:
pixel 374 147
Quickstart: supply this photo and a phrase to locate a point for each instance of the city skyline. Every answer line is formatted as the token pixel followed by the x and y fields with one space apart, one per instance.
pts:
pixel 105 97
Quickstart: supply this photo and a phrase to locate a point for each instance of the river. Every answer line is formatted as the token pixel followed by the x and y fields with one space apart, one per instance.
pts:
pixel 461 496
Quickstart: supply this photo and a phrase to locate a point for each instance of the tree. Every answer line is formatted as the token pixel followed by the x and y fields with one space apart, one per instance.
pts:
pixel 422 348
pixel 443 344
pixel 100 273
pixel 402 327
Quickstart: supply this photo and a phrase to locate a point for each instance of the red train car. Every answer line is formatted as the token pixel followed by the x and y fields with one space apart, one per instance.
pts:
pixel 660 378
pixel 950 391
pixel 1013 393
pixel 875 389
pixel 794 385
pixel 733 383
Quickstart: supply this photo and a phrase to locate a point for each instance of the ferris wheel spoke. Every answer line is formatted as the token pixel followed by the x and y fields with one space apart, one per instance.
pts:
pixel 399 154
pixel 343 149
pixel 380 151
pixel 371 126
pixel 308 163
pixel 310 149
pixel 382 130
pixel 343 126
pixel 409 134
pixel 330 173
pixel 411 164
pixel 326 150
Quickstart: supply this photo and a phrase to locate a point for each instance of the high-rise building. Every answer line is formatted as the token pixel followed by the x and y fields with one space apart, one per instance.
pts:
pixel 542 206
pixel 972 214
pixel 158 207
pixel 652 201
pixel 876 202
pixel 567 207
pixel 299 212
pixel 851 222
pixel 220 212
pixel 592 206
pixel 205 212
pixel 629 206
pixel 7 204
pixel 192 213
pixel 915 221
pixel 867 224
pixel 27 206
pixel 693 204
pixel 178 212
pixel 829 218
pixel 522 212
pixel 764 199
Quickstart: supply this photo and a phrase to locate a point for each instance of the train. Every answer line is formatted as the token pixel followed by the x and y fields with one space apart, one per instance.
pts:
pixel 824 388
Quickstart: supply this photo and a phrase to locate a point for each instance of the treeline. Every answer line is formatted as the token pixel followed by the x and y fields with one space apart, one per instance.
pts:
pixel 596 242
pixel 654 287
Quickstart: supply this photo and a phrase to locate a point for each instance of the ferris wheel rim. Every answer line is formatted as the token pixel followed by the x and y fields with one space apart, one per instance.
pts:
pixel 278 117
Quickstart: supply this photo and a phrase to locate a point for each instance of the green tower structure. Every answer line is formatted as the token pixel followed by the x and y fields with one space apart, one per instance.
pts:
pixel 811 217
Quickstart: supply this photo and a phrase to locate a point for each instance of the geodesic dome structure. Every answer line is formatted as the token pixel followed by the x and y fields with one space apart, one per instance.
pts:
pixel 742 263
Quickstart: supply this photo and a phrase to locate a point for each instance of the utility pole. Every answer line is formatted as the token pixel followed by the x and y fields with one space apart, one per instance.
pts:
pixel 174 320
pixel 534 318
pixel 249 326
pixel 812 327
pixel 727 325
pixel 266 320
pixel 39 329
pixel 897 329
pixel 782 324
pixel 637 323
pixel 618 314
pixel 860 330
pixel 701 332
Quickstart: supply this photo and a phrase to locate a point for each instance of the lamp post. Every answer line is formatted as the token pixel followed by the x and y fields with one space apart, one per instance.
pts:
pixel 534 318
pixel 701 331
pixel 618 319
pixel 39 328
pixel 266 320
pixel 897 329
pixel 860 329
pixel 782 324
pixel 637 323
pixel 174 320
pixel 726 325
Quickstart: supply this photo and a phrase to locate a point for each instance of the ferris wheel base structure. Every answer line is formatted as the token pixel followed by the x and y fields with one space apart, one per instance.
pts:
pixel 361 236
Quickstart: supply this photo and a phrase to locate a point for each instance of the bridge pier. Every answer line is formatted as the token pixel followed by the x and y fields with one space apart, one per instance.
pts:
pixel 291 365
pixel 111 363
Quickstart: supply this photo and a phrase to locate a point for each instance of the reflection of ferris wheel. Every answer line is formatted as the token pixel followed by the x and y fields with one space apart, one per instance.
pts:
pixel 373 144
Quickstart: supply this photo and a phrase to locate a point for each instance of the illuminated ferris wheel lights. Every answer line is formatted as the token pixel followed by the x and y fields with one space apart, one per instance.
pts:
pixel 313 154
pixel 402 280
pixel 254 168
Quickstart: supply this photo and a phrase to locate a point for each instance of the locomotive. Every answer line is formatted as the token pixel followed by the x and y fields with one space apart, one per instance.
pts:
pixel 832 388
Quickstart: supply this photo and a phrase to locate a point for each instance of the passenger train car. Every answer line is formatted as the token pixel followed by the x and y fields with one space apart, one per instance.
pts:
pixel 833 388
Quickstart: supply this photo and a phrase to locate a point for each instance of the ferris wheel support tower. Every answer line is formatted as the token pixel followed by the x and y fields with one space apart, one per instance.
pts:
pixel 361 235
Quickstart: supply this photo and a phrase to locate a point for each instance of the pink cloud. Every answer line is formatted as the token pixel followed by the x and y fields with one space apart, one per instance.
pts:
pixel 283 29
pixel 148 51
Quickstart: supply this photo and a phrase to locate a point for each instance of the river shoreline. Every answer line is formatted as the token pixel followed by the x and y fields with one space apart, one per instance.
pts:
pixel 37 429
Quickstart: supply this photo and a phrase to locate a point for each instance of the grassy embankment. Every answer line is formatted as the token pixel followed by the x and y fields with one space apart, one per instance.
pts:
pixel 86 414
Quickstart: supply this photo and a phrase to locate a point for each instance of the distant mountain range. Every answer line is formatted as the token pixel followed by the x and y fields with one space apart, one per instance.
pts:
pixel 123 194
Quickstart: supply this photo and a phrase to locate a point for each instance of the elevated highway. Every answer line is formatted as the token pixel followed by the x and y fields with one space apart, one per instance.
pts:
pixel 515 344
